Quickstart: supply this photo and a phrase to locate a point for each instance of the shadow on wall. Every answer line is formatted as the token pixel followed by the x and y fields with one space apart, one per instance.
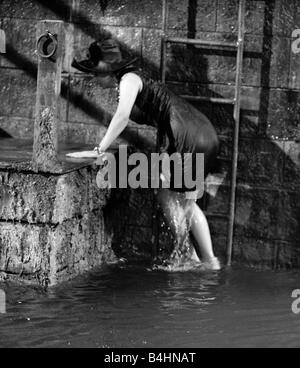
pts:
pixel 269 170
pixel 3 134
pixel 267 174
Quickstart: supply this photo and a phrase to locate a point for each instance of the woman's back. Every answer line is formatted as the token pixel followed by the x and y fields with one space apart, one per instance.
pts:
pixel 182 128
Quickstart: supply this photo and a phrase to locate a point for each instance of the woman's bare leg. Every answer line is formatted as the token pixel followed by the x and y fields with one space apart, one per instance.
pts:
pixel 201 232
pixel 175 210
pixel 182 215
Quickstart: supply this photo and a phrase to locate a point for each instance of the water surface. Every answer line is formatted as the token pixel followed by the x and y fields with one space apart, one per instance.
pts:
pixel 130 306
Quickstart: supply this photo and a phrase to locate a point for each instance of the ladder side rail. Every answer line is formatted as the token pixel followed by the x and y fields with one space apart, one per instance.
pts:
pixel 163 66
pixel 237 116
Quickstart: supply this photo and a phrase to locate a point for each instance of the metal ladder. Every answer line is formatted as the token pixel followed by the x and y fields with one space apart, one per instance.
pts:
pixel 238 47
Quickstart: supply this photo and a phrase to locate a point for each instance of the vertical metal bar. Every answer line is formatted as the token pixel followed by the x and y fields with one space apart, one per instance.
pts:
pixel 155 219
pixel 237 115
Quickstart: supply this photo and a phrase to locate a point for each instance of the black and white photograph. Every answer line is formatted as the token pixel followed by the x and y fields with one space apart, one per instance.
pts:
pixel 149 177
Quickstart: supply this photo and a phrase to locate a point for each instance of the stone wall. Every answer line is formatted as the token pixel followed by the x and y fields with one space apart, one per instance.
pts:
pixel 52 227
pixel 268 209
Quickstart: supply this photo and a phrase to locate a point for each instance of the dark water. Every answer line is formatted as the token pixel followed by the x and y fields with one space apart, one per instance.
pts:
pixel 132 307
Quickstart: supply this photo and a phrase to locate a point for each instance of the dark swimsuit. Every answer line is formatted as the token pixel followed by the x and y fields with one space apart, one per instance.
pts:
pixel 181 127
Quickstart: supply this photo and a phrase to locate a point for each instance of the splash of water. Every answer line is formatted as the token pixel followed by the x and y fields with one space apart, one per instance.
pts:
pixel 183 257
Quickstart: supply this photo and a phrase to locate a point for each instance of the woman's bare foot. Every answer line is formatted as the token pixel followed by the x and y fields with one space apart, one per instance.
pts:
pixel 212 264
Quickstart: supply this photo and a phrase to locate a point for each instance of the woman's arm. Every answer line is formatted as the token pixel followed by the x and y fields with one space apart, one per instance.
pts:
pixel 130 86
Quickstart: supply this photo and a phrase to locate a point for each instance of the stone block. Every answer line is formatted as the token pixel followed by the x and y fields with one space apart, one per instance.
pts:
pixel 292 125
pixel 133 13
pixel 89 103
pixel 294 78
pixel 84 133
pixel 192 16
pixel 79 245
pixel 134 243
pixel 19 95
pixel 255 16
pixel 24 251
pixel 281 17
pixel 283 114
pixel 291 173
pixel 297 15
pixel 48 255
pixel 222 115
pixel 124 205
pixel 259 253
pixel 217 200
pixel 218 224
pixel 219 244
pixel 254 220
pixel 17 127
pixel 253 61
pixel 261 162
pixel 279 63
pixel 22 94
pixel 263 18
pixel 226 148
pixel 206 65
pixel 289 221
pixel 288 255
pixel 151 52
pixel 39 199
pixel 5 82
pixel 251 112
pixel 36 10
pixel 21 39
pixel 186 63
pixel 227 16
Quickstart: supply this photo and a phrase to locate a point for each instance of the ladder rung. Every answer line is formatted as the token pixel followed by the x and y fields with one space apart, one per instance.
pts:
pixel 191 41
pixel 225 101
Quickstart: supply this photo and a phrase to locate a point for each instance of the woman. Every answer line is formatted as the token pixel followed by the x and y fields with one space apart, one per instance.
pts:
pixel 182 129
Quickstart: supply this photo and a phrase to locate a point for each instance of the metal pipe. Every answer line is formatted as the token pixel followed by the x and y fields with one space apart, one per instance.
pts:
pixel 237 115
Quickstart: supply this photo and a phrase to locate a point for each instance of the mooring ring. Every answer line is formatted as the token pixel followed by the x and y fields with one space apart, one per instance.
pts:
pixel 43 43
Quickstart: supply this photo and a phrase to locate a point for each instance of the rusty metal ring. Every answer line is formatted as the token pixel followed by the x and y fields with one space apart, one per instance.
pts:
pixel 43 42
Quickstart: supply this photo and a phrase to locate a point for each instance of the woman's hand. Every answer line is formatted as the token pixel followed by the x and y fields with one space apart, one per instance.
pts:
pixel 101 159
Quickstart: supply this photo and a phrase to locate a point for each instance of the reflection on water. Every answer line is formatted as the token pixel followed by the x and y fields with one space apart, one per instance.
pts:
pixel 129 306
